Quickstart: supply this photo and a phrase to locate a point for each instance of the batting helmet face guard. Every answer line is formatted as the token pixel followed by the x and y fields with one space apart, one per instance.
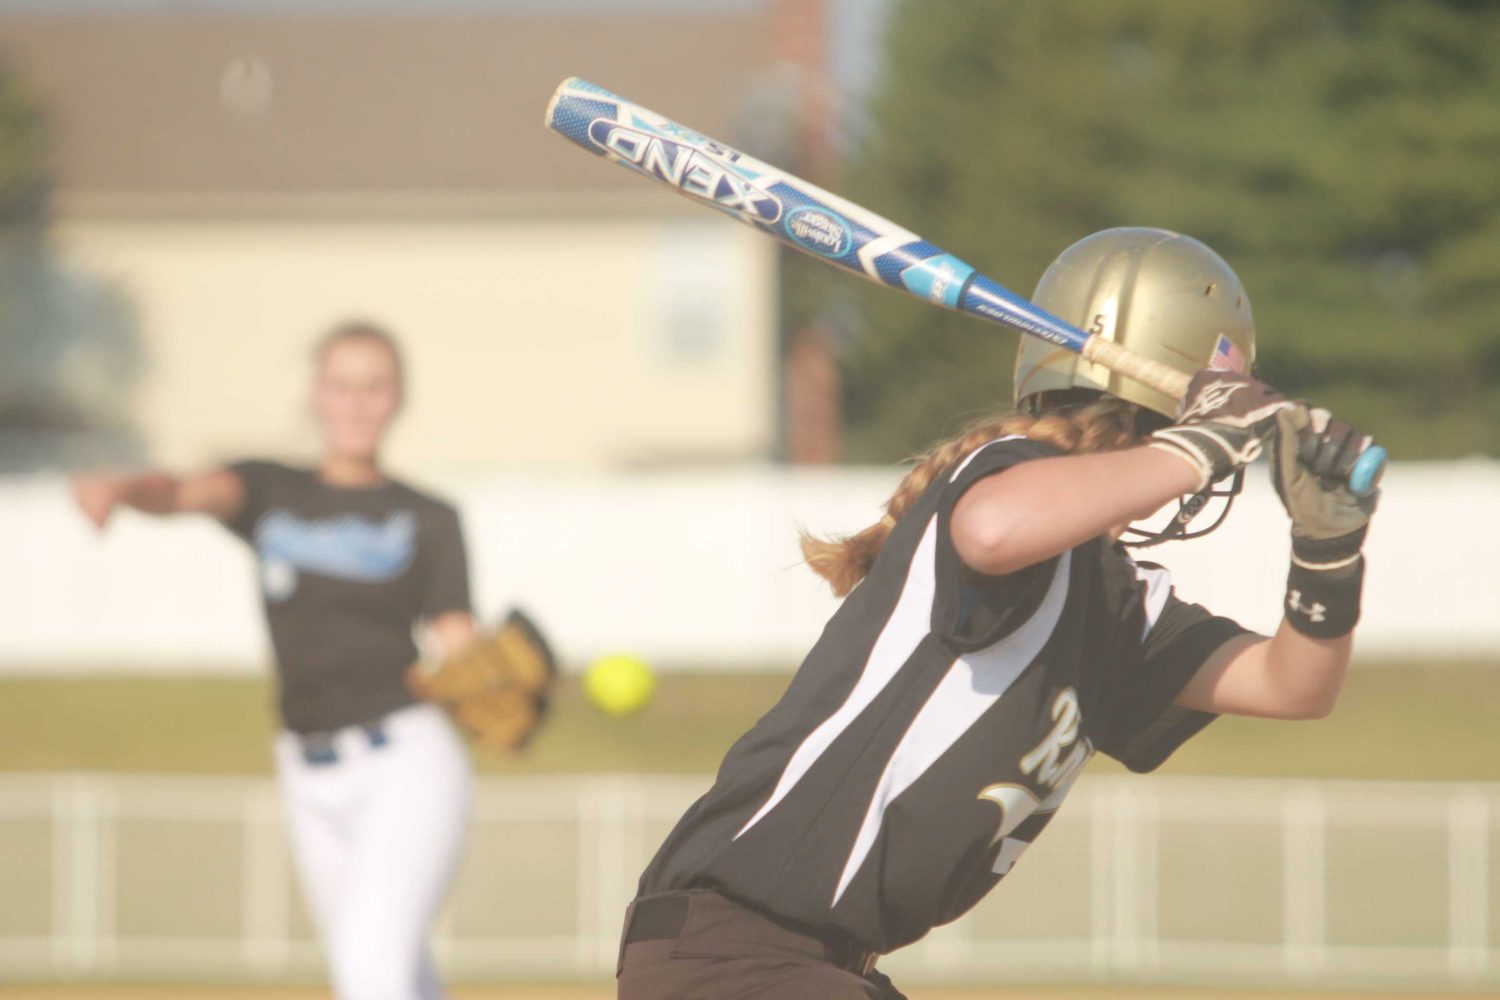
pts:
pixel 1162 296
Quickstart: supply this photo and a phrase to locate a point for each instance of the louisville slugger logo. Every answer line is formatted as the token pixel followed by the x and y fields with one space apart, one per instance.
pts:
pixel 687 168
pixel 819 231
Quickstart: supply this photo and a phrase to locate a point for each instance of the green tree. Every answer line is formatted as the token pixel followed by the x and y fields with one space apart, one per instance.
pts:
pixel 1340 154
pixel 23 191
pixel 23 155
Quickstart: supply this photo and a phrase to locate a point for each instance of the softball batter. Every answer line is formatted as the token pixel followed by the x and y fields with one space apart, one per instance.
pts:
pixel 996 635
pixel 376 786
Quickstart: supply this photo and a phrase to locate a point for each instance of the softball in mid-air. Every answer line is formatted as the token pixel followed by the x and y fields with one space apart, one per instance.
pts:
pixel 619 684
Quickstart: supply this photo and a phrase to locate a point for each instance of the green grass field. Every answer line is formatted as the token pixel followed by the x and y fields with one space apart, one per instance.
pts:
pixel 1396 722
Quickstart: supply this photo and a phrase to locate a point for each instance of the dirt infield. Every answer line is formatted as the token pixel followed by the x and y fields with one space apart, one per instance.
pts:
pixel 604 992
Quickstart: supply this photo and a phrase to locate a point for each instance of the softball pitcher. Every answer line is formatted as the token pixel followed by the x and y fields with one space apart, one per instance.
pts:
pixel 376 786
pixel 996 635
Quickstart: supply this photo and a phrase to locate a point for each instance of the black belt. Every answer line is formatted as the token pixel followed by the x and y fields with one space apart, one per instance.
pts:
pixel 658 917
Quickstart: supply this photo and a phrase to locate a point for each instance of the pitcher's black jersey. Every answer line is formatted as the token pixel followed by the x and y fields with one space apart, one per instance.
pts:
pixel 937 724
pixel 345 575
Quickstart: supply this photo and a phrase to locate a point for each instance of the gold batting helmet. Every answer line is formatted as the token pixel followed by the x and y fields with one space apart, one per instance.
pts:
pixel 1160 294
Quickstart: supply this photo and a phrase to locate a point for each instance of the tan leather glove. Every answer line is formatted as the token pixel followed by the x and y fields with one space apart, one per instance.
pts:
pixel 497 688
pixel 1310 468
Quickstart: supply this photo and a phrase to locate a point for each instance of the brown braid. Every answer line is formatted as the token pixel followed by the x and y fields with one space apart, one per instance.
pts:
pixel 1105 424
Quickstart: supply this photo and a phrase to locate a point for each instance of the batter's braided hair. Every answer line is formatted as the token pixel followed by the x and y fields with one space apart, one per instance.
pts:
pixel 1103 423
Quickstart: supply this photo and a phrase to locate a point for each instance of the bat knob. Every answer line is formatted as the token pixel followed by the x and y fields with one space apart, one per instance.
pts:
pixel 1365 476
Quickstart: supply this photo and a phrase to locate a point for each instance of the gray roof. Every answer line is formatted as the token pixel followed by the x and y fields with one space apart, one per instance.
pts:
pixel 216 104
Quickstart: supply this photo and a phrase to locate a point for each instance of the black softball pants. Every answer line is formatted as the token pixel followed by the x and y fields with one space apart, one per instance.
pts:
pixel 700 945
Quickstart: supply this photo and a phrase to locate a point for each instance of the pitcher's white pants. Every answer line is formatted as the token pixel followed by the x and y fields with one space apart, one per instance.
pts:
pixel 376 836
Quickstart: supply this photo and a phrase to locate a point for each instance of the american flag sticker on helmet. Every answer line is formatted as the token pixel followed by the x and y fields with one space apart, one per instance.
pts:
pixel 1227 357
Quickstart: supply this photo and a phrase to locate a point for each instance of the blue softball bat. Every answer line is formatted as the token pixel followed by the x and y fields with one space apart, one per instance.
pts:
pixel 790 209
pixel 843 234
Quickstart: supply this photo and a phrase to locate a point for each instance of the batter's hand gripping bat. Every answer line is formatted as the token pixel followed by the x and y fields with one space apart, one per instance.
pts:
pixel 817 222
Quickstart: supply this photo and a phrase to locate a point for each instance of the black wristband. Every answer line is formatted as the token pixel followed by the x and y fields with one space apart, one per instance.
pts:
pixel 1324 605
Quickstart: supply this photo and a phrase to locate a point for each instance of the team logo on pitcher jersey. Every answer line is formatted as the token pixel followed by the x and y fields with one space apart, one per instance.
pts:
pixel 346 548
pixel 1055 767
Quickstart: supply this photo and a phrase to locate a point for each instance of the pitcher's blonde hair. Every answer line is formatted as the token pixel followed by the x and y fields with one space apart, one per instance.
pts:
pixel 1102 424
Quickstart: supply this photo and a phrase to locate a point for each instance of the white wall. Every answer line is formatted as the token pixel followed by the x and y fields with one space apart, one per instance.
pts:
pixel 696 569
pixel 532 342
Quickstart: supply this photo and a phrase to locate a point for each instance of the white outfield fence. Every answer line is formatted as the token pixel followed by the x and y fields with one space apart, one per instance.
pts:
pixel 697 568
pixel 1166 880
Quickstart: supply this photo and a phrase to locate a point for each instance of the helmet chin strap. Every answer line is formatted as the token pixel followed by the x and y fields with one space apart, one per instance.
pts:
pixel 1187 509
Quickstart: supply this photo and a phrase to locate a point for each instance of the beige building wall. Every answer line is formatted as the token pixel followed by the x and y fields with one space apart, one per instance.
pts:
pixel 531 342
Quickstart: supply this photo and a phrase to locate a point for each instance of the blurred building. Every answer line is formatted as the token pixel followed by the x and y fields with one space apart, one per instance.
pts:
pixel 245 174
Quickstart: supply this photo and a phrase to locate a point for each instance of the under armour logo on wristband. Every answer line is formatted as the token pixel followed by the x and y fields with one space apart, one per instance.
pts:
pixel 1314 612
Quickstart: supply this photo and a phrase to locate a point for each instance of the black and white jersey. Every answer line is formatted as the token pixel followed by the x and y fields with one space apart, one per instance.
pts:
pixel 937 725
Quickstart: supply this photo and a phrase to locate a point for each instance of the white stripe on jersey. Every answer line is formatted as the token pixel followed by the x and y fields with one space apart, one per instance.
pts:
pixel 908 625
pixel 1158 583
pixel 973 683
